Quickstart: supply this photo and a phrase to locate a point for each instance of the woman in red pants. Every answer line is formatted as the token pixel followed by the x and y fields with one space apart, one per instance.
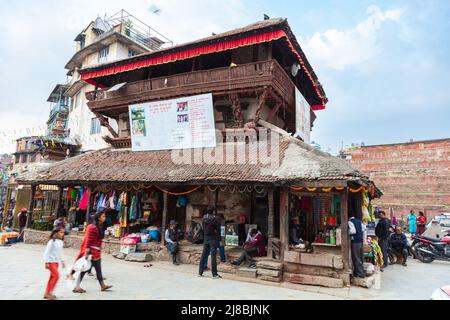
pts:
pixel 53 257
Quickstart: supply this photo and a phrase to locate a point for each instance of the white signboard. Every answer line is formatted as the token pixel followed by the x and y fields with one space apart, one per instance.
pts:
pixel 302 117
pixel 181 123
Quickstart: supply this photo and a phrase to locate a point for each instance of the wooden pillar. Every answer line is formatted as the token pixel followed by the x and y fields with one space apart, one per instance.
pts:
pixel 284 221
pixel 58 201
pixel 345 245
pixel 164 216
pixel 270 217
pixel 30 206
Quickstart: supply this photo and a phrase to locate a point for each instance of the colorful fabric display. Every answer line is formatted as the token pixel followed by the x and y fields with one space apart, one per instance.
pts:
pixel 84 200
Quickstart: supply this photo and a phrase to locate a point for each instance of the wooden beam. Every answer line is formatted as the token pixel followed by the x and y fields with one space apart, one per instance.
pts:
pixel 58 201
pixel 30 206
pixel 104 122
pixel 270 217
pixel 345 245
pixel 164 217
pixel 237 110
pixel 274 111
pixel 261 101
pixel 284 221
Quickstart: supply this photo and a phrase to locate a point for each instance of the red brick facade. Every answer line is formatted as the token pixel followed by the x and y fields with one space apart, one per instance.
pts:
pixel 414 175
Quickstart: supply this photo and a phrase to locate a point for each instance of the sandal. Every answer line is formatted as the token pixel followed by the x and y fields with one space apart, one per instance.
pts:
pixel 147 265
pixel 105 288
pixel 78 290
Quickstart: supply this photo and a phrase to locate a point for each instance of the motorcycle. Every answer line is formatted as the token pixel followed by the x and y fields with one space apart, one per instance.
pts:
pixel 429 249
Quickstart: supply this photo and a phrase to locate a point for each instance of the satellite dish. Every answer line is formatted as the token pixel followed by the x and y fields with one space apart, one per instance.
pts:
pixel 294 69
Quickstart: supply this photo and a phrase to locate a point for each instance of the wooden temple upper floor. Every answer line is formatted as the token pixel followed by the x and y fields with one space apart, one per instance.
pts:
pixel 242 93
pixel 254 77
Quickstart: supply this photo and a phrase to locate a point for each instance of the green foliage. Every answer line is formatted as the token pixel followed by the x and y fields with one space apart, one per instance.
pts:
pixel 42 226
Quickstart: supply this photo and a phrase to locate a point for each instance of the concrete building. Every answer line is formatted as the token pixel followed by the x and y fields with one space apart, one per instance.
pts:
pixel 6 162
pixel 103 41
pixel 412 175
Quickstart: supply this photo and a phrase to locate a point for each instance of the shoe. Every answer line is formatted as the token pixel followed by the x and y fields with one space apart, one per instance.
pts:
pixel 252 266
pixel 404 264
pixel 78 290
pixel 106 287
pixel 216 276
pixel 200 275
pixel 176 263
pixel 90 274
pixel 234 263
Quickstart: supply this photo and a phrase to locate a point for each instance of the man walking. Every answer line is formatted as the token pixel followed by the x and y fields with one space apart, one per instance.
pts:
pixel 211 228
pixel 382 232
pixel 356 231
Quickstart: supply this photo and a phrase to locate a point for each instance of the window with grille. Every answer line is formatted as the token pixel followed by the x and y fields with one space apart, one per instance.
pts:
pixel 131 53
pixel 95 126
pixel 103 55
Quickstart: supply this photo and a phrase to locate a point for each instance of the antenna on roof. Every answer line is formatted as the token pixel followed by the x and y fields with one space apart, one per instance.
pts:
pixel 266 17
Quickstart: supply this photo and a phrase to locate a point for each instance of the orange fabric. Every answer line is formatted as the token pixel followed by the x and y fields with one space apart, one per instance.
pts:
pixel 54 277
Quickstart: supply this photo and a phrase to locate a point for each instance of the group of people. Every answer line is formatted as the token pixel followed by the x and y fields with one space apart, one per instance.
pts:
pixel 391 239
pixel 90 251
pixel 213 242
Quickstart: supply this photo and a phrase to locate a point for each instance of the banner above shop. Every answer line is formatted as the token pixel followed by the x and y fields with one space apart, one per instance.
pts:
pixel 181 123
pixel 302 117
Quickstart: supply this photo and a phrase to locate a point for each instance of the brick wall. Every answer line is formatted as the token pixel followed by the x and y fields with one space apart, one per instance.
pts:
pixel 412 175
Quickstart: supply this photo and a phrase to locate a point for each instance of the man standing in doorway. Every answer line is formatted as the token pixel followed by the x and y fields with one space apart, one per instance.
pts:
pixel 356 231
pixel 382 232
pixel 211 229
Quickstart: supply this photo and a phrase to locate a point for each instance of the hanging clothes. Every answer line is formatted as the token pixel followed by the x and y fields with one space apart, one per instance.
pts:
pixel 69 194
pixel 74 194
pixel 112 196
pixel 84 200
pixel 99 203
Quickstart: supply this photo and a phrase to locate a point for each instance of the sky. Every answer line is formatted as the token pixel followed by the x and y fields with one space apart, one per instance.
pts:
pixel 383 64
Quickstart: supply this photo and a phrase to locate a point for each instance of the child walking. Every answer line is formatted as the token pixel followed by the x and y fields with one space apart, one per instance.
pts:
pixel 53 257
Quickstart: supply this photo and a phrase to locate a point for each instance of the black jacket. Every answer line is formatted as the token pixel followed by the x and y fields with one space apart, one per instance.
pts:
pixel 398 241
pixel 211 227
pixel 382 229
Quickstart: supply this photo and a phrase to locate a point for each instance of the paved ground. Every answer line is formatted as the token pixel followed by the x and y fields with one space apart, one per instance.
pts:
pixel 23 276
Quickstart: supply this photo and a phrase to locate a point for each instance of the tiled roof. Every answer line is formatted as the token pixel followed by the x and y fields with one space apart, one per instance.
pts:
pixel 298 162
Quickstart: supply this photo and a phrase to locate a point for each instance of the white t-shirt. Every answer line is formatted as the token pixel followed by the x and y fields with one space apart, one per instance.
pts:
pixel 53 251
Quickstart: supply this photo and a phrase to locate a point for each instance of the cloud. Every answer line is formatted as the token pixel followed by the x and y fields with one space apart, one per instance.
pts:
pixel 340 49
pixel 38 41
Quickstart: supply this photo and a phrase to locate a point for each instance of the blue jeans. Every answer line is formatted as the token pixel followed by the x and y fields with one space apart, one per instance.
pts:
pixel 221 252
pixel 209 247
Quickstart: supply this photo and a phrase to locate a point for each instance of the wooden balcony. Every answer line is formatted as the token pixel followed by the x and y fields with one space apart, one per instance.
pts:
pixel 246 78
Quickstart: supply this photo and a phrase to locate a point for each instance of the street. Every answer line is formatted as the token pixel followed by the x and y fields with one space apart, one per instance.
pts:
pixel 23 277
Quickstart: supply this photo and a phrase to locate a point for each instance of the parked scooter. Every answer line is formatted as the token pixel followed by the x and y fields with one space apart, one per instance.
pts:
pixel 430 249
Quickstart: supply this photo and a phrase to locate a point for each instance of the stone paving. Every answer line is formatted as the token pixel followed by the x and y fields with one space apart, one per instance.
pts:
pixel 22 276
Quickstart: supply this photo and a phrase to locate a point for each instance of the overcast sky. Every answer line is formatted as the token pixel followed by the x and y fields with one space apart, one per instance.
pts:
pixel 383 64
